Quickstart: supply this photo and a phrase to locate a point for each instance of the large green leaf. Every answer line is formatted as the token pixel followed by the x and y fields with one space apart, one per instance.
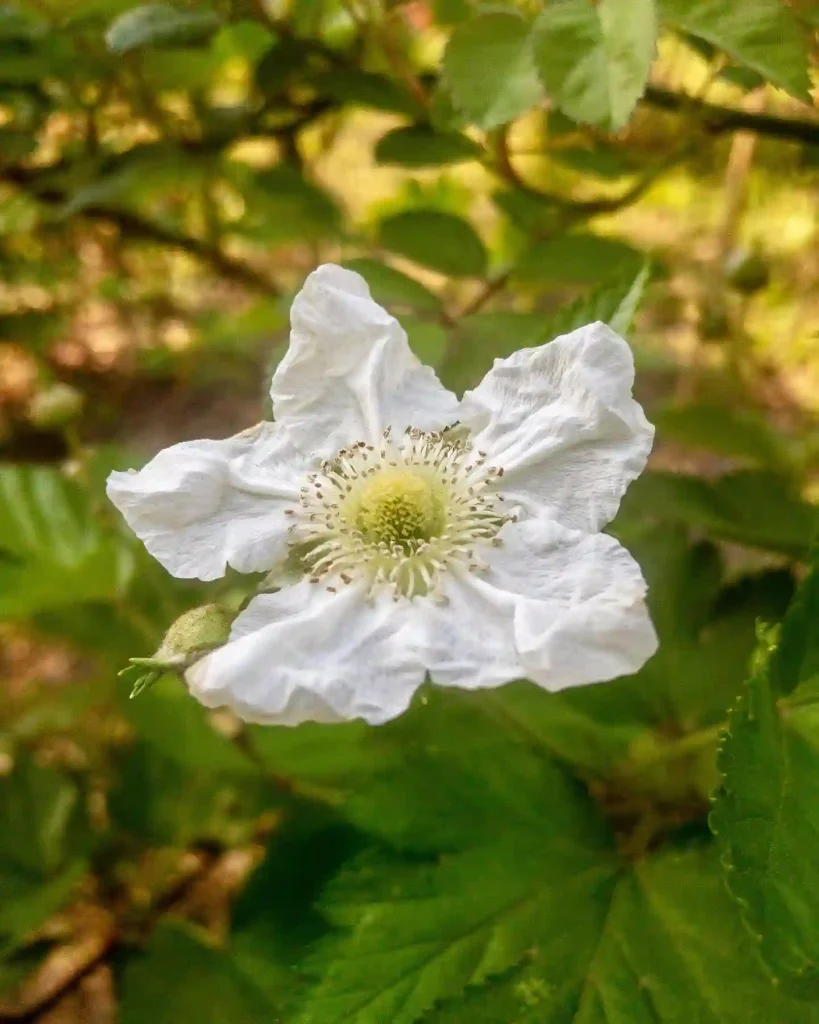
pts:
pixel 437 240
pixel 53 551
pixel 742 434
pixel 594 59
pixel 489 69
pixel 161 25
pixel 766 814
pixel 181 978
pixel 763 34
pixel 538 865
pixel 671 950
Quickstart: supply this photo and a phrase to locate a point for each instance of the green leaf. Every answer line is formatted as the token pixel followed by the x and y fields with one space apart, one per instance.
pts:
pixel 53 552
pixel 765 814
pixel 391 287
pixel 160 25
pixel 762 34
pixel 40 815
pixel 578 258
pixel 489 70
pixel 282 205
pixel 671 950
pixel 441 241
pixel 595 59
pixel 755 508
pixel 178 727
pixel 29 902
pixel 738 433
pixel 367 89
pixel 418 146
pixel 181 978
pixel 541 867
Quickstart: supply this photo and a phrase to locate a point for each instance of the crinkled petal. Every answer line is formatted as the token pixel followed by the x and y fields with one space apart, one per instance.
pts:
pixel 200 506
pixel 560 607
pixel 580 613
pixel 467 639
pixel 349 372
pixel 304 654
pixel 561 423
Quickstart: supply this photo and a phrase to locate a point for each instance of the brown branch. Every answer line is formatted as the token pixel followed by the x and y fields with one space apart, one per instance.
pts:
pixel 717 119
pixel 138 227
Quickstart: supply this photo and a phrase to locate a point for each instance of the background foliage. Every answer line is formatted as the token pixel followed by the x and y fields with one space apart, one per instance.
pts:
pixel 169 173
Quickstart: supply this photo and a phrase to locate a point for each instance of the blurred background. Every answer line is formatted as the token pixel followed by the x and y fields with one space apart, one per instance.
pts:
pixel 168 176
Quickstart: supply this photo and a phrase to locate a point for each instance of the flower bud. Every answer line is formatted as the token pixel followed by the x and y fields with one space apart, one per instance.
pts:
pixel 192 635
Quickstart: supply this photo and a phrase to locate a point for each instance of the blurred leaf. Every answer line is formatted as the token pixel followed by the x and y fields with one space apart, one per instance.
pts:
pixel 763 34
pixel 578 258
pixel 367 89
pixel 160 25
pixel 765 814
pixel 671 950
pixel 390 287
pixel 758 509
pixel 53 552
pixel 170 802
pixel 428 340
pixel 489 69
pixel 283 205
pixel 417 146
pixel 437 240
pixel 600 161
pixel 40 815
pixel 595 59
pixel 26 903
pixel 286 61
pixel 178 727
pixel 179 977
pixel 743 434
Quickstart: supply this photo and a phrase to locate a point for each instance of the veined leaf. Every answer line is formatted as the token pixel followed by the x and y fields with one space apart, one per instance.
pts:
pixel 489 68
pixel 765 814
pixel 762 34
pixel 594 59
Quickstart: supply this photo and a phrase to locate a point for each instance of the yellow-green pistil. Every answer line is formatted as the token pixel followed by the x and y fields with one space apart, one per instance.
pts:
pixel 398 515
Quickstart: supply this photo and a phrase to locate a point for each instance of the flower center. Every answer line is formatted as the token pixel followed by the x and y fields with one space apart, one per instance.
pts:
pixel 399 516
pixel 397 506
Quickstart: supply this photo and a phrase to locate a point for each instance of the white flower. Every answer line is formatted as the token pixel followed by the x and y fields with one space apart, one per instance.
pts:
pixel 473 555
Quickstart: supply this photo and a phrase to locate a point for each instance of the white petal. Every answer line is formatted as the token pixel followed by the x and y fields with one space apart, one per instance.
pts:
pixel 561 422
pixel 469 640
pixel 349 371
pixel 304 654
pixel 580 615
pixel 200 506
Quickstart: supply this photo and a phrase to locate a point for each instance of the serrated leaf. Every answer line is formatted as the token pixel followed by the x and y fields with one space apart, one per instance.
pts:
pixel 578 258
pixel 160 25
pixel 594 59
pixel 421 934
pixel 441 241
pixel 180 978
pixel 418 146
pixel 765 814
pixel 391 287
pixel 53 551
pixel 671 950
pixel 762 34
pixel 489 69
